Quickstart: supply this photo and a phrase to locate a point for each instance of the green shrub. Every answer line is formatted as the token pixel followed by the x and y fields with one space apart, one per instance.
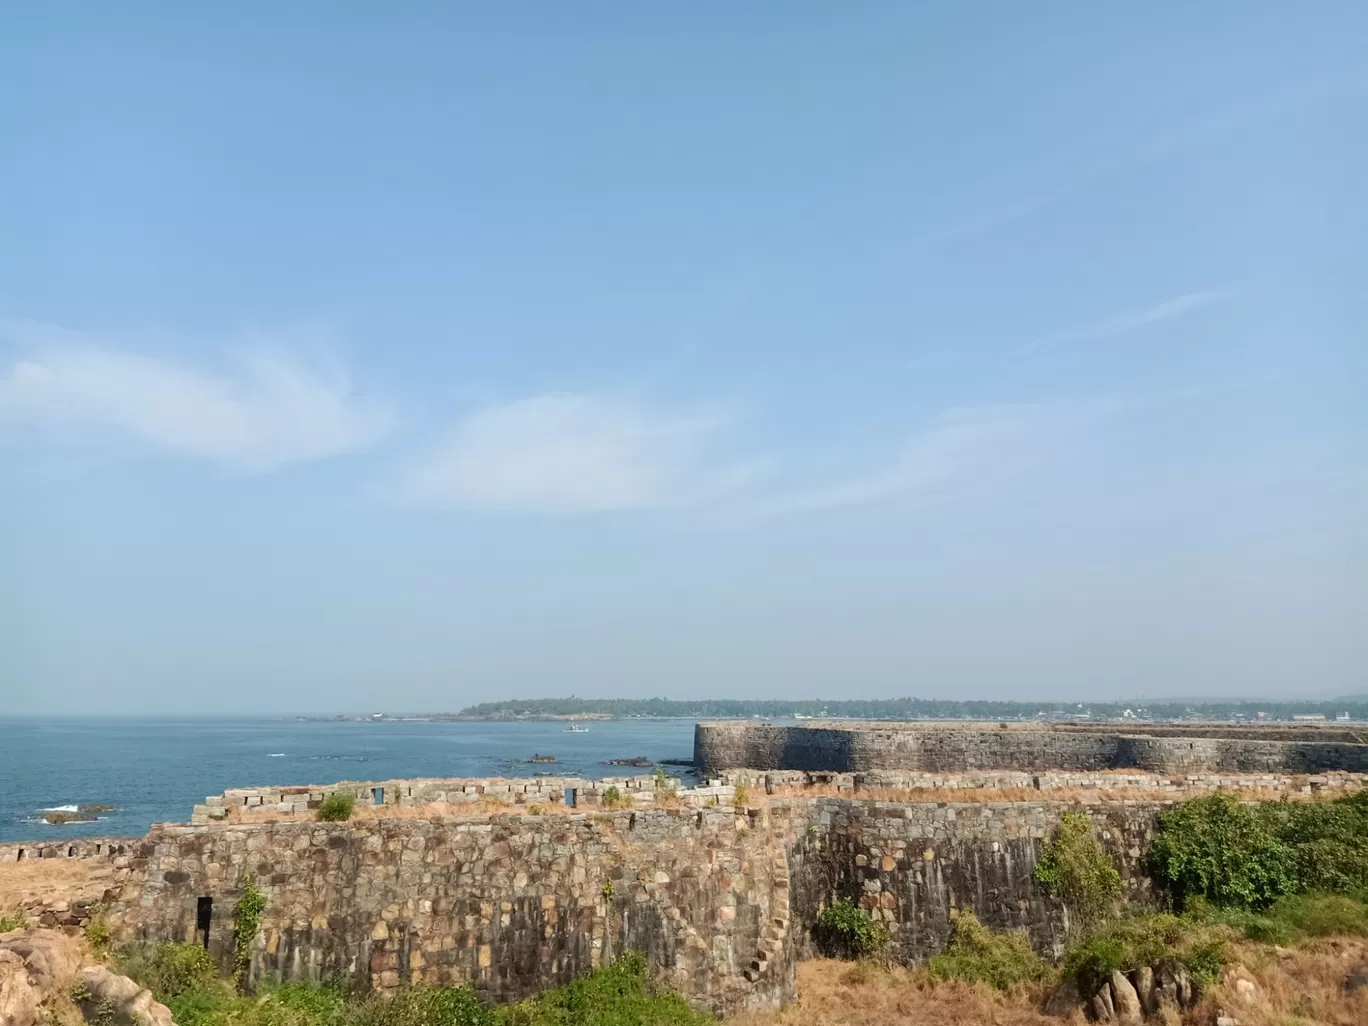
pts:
pixel 1077 870
pixel 1221 849
pixel 1248 856
pixel 1291 918
pixel 848 931
pixel 978 955
pixel 424 1006
pixel 740 797
pixel 1157 941
pixel 169 970
pixel 619 994
pixel 246 921
pixel 337 807
pixel 12 921
pixel 611 796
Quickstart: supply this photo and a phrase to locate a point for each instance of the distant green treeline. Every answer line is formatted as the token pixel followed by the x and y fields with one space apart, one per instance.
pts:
pixel 907 709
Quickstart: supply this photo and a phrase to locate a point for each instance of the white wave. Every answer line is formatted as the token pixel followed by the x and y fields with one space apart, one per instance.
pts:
pixel 274 755
pixel 62 808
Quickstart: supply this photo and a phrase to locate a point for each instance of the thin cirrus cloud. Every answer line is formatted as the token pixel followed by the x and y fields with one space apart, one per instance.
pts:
pixel 962 451
pixel 266 410
pixel 1171 309
pixel 578 454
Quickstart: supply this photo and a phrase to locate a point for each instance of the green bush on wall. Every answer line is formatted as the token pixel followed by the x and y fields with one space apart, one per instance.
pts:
pixel 848 931
pixel 1077 870
pixel 337 807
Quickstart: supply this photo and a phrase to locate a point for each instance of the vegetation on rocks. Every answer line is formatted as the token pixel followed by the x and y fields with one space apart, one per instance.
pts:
pixel 976 954
pixel 168 970
pixel 1078 871
pixel 623 993
pixel 337 807
pixel 246 922
pixel 847 931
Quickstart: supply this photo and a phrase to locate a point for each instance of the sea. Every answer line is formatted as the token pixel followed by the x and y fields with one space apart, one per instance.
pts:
pixel 155 770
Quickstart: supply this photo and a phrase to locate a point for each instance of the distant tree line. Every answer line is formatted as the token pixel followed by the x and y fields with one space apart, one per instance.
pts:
pixel 907 709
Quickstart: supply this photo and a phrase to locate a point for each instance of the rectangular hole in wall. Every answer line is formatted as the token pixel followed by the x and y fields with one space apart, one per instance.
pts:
pixel 20 856
pixel 378 795
pixel 71 851
pixel 204 915
pixel 570 797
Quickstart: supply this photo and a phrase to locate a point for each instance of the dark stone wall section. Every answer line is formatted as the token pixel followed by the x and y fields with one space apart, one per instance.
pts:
pixel 933 748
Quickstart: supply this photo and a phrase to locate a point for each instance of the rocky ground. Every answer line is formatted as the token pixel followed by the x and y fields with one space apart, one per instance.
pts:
pixel 54 892
pixel 51 977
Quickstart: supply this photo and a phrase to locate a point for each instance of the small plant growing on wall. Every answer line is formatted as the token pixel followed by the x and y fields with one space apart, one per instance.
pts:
pixel 611 796
pixel 845 930
pixel 1077 870
pixel 740 798
pixel 608 890
pixel 246 922
pixel 337 807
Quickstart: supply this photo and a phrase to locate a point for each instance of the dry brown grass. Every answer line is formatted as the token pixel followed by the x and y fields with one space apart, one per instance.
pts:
pixel 858 994
pixel 43 881
pixel 1300 987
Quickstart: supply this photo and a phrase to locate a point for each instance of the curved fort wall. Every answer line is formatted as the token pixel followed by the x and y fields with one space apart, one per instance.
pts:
pixel 924 747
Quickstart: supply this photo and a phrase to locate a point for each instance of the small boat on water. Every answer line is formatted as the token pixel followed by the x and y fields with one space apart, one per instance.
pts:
pixel 572 729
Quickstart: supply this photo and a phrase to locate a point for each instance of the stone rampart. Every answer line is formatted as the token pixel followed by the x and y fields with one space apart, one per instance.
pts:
pixel 509 903
pixel 928 747
pixel 245 804
pixel 911 865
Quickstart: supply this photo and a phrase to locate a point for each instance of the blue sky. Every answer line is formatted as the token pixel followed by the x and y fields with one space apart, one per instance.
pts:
pixel 400 359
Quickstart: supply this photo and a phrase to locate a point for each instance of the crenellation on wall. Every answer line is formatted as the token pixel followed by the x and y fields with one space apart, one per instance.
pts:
pixel 104 848
pixel 243 804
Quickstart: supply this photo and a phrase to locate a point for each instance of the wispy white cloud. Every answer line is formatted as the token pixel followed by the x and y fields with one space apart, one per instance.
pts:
pixel 265 410
pixel 578 454
pixel 1129 321
pixel 961 451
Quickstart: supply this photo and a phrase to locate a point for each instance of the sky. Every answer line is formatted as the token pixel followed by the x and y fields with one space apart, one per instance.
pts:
pixel 357 358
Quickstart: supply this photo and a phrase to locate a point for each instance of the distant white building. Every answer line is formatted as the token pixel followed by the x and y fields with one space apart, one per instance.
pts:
pixel 1309 718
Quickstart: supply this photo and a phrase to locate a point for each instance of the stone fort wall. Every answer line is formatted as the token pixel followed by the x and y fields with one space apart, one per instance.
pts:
pixel 721 899
pixel 932 748
pixel 508 903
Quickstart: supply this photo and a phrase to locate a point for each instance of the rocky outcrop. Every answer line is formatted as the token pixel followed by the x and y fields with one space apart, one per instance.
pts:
pixel 40 969
pixel 106 994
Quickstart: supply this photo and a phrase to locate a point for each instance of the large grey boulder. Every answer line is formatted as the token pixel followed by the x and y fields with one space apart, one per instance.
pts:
pixel 1124 999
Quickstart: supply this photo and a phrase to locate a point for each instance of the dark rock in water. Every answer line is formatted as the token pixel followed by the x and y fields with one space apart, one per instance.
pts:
pixel 638 761
pixel 676 762
pixel 60 818
pixel 95 809
pixel 538 757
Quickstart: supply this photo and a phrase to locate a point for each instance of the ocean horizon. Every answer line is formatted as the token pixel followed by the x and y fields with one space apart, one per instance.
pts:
pixel 154 769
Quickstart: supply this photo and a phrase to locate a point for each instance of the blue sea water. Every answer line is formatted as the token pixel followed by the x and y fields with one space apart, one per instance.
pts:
pixel 154 770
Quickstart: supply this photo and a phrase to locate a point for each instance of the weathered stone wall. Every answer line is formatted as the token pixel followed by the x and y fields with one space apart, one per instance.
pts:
pixel 853 748
pixel 908 783
pixel 510 904
pixel 914 864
